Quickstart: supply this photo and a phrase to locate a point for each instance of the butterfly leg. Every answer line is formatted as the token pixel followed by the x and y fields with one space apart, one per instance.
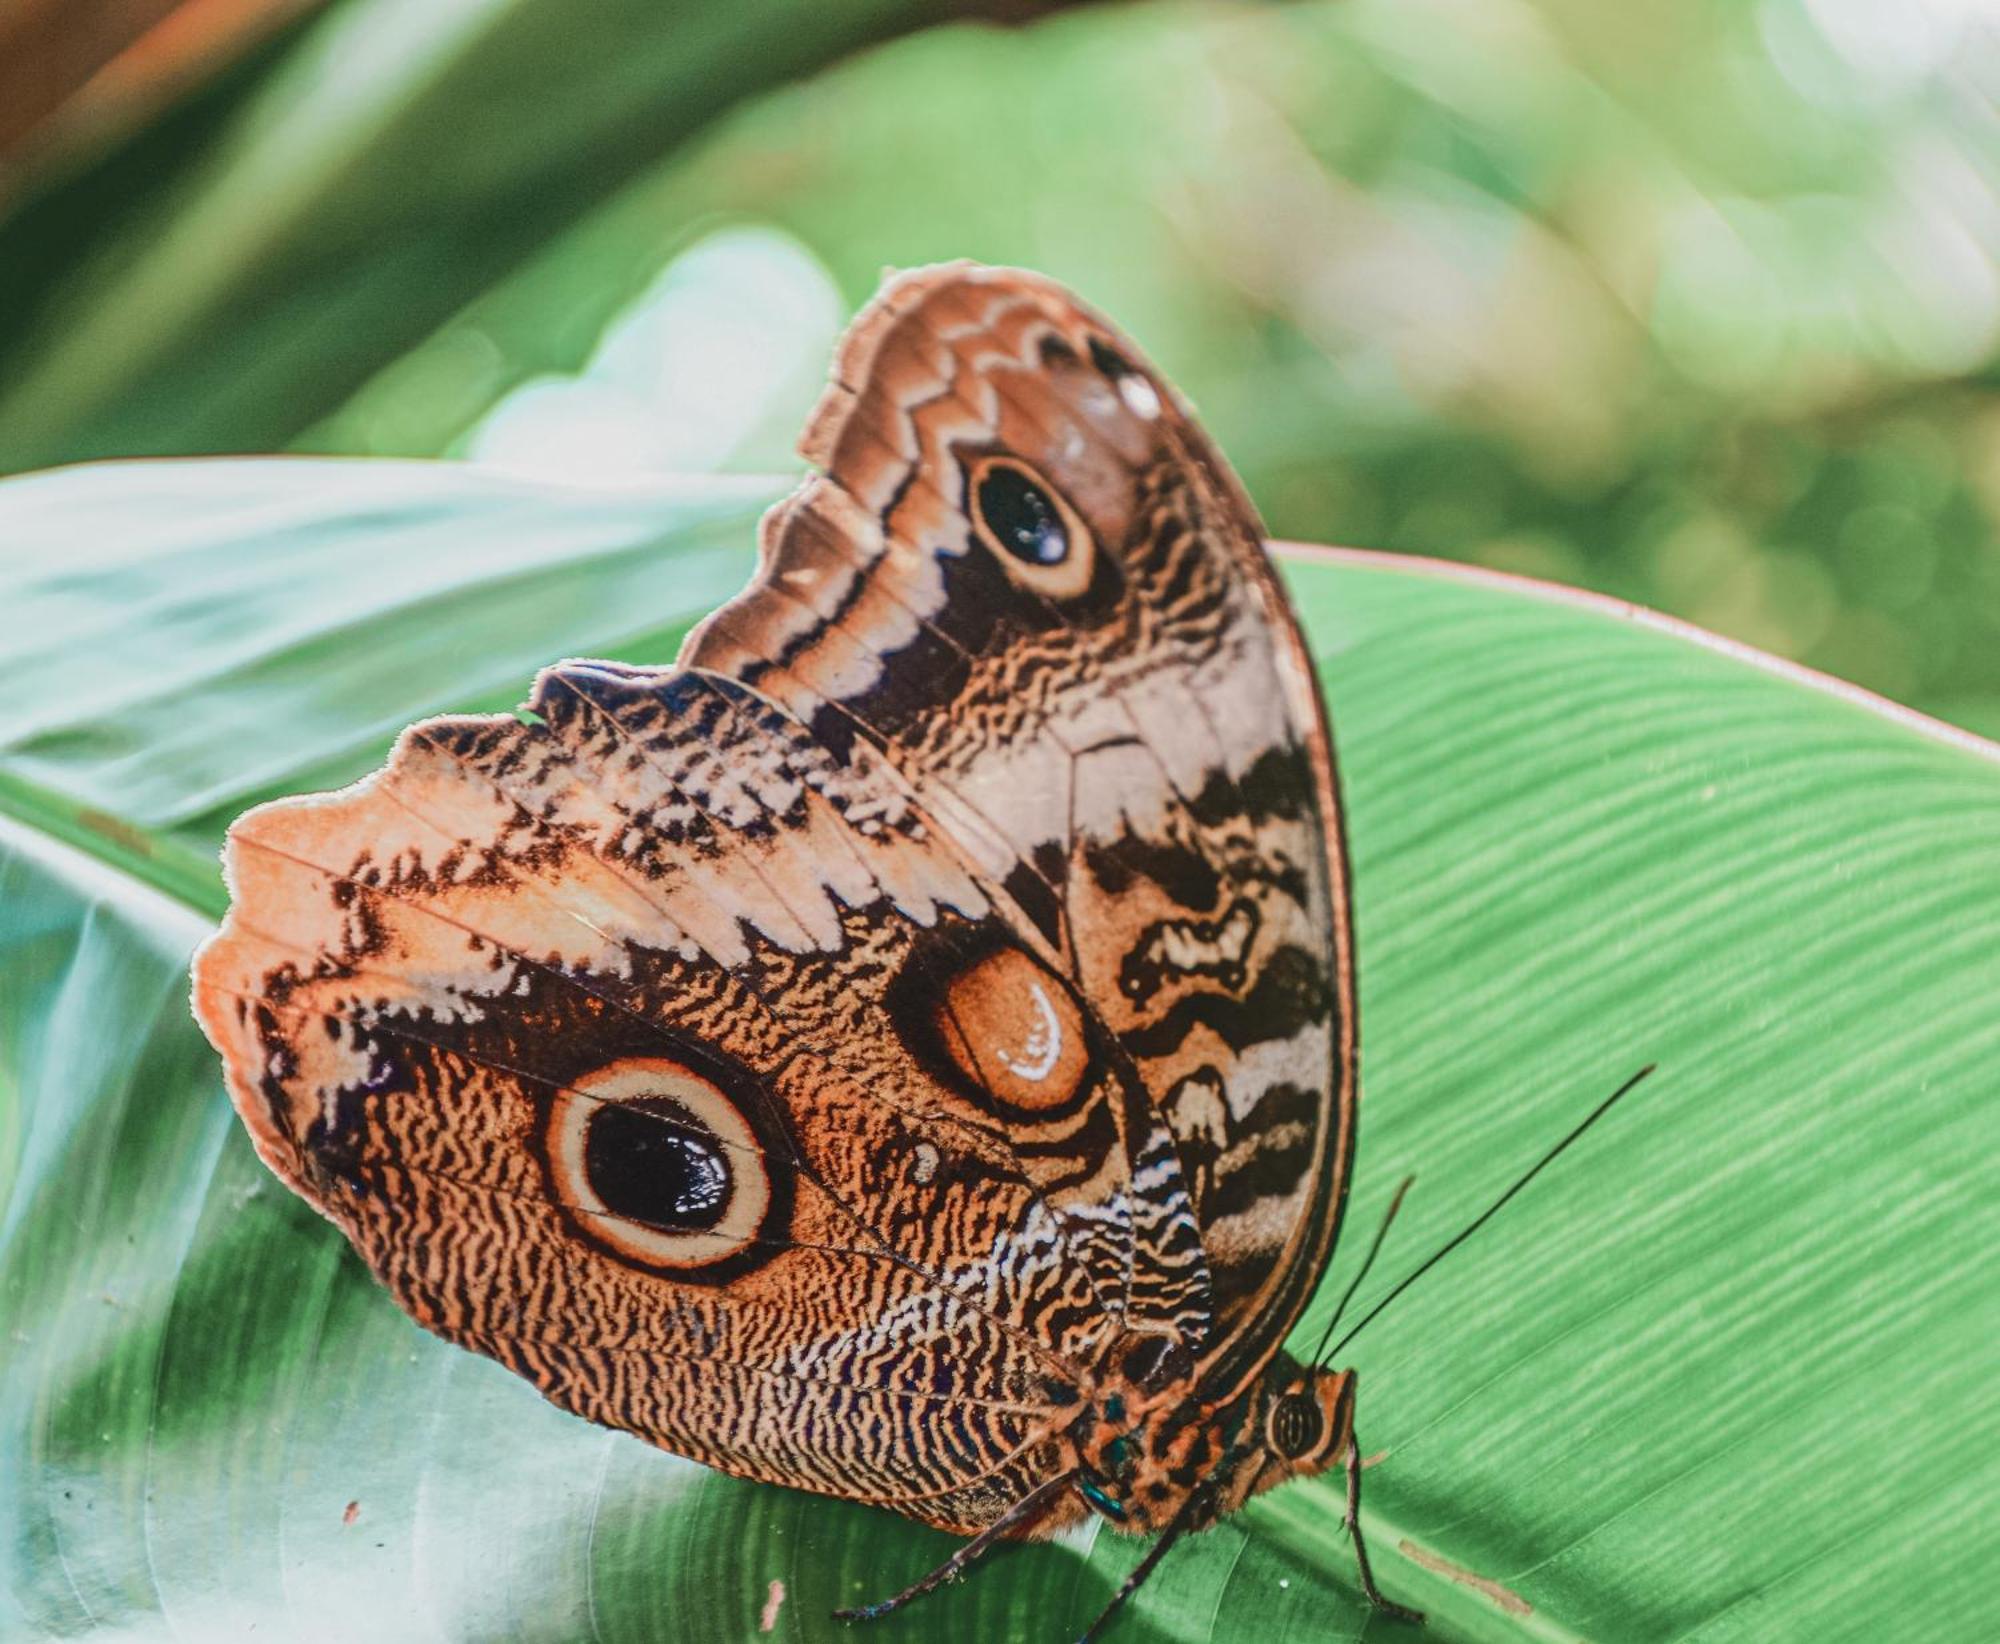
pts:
pixel 1199 1504
pixel 1375 1596
pixel 1027 1511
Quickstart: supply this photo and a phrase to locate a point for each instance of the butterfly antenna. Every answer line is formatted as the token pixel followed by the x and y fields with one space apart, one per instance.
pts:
pixel 1493 1209
pixel 1367 1261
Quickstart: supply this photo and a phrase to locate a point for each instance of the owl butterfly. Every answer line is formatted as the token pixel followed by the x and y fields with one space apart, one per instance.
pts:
pixel 906 1050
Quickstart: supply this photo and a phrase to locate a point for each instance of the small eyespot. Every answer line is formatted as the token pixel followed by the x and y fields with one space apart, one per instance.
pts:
pixel 1035 532
pixel 1296 1426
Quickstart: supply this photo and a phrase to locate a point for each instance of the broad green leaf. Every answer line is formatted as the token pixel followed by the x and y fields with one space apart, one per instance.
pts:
pixel 1724 1373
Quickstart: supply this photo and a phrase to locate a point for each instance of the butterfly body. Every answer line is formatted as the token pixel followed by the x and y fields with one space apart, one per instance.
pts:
pixel 907 1049
pixel 1142 1451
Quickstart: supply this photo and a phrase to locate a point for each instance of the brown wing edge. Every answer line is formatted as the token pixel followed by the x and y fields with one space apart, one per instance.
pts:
pixel 216 1007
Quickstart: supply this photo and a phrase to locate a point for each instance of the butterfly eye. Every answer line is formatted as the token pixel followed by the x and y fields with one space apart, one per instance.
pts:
pixel 1035 532
pixel 1296 1425
pixel 659 1165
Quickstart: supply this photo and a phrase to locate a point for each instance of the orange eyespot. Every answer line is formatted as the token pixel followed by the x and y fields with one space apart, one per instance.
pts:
pixel 1030 527
pixel 1014 1030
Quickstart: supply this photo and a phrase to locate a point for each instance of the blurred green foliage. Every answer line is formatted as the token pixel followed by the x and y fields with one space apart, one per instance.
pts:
pixel 1695 304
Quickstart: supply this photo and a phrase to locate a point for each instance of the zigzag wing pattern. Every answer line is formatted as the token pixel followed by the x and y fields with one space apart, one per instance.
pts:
pixel 659 1053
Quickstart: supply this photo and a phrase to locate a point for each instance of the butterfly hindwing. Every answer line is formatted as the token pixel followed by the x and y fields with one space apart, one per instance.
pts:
pixel 650 1050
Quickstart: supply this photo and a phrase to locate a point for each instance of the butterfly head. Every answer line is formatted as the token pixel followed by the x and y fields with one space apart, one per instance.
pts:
pixel 1293 1422
pixel 1297 1421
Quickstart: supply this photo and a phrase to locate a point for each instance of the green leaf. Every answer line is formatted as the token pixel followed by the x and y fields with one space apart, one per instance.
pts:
pixel 1724 1373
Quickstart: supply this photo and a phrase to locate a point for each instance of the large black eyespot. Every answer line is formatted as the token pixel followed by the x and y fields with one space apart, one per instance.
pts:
pixel 1021 516
pixel 654 1162
pixel 660 1165
pixel 1296 1425
pixel 1031 526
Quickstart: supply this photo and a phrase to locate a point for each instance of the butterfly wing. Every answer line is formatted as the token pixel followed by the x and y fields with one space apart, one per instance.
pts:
pixel 1032 585
pixel 646 1046
pixel 815 1058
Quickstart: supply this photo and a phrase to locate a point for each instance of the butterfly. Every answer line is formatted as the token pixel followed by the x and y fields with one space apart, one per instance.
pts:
pixel 905 1050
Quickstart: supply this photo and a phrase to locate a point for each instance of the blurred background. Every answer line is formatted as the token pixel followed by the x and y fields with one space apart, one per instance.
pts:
pixel 1697 304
